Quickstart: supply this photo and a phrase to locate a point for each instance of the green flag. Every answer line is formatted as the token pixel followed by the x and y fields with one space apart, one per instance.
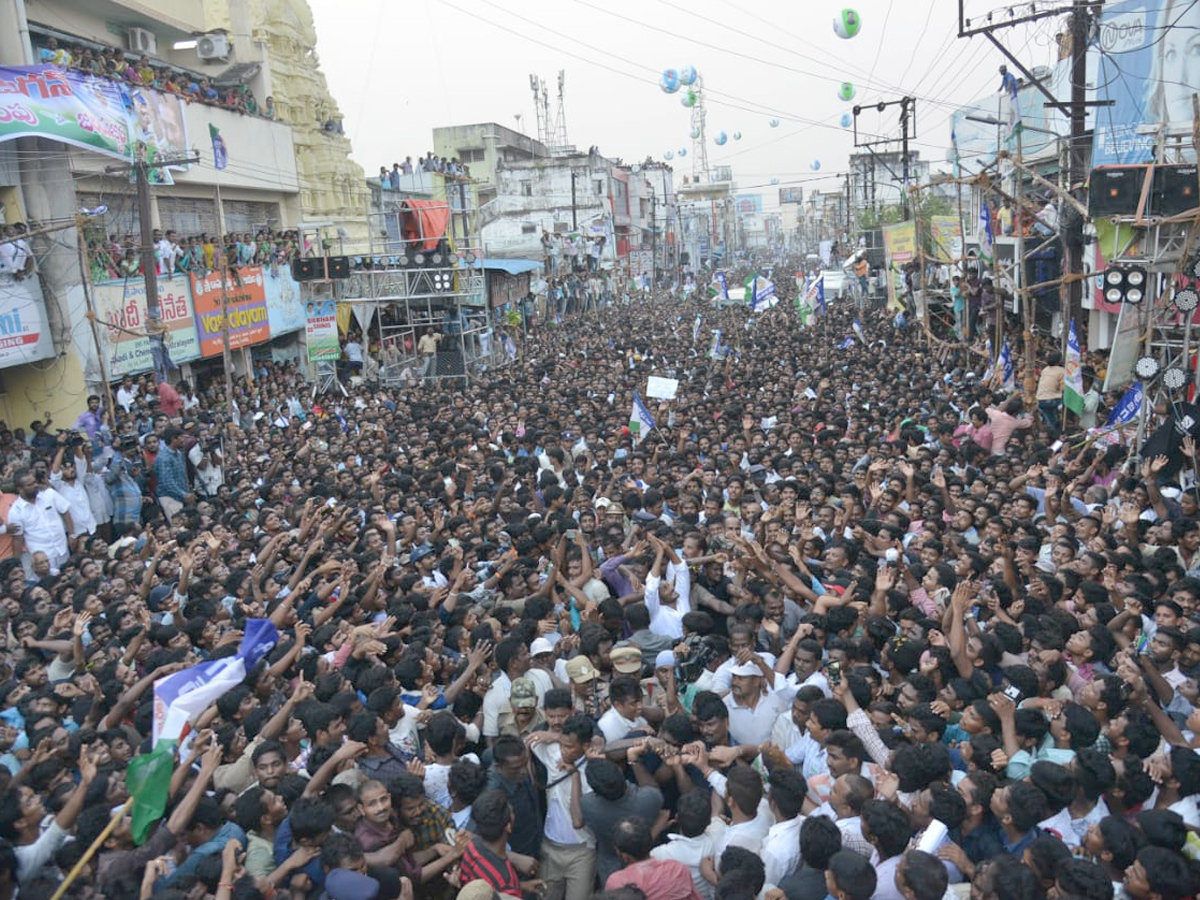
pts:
pixel 148 779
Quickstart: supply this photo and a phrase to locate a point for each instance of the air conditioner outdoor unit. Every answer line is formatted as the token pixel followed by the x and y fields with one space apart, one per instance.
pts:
pixel 142 40
pixel 212 46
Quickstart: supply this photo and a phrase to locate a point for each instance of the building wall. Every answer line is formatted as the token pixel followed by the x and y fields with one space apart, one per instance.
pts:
pixel 486 147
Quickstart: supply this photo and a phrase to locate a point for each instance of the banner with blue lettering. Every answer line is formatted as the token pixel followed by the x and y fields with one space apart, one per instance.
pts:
pixel 1127 410
pixel 24 334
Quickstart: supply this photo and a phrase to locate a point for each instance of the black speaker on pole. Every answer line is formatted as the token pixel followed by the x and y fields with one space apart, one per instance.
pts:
pixel 337 267
pixel 1115 191
pixel 450 362
pixel 307 269
pixel 1174 190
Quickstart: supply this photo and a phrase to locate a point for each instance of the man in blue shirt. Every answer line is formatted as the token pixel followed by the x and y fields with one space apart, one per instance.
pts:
pixel 170 467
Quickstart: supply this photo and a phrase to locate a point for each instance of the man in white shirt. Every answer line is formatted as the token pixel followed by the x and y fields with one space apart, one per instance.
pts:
pixel 749 820
pixel 625 714
pixel 667 600
pixel 568 856
pixel 66 481
pixel 512 661
pixel 698 834
pixel 127 394
pixel 39 521
pixel 781 846
pixel 753 709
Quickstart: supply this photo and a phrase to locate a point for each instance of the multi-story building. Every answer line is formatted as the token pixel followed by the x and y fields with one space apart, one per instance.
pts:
pixel 484 148
pixel 236 82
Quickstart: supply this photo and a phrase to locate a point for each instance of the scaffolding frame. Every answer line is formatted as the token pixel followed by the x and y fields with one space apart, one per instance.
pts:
pixel 432 282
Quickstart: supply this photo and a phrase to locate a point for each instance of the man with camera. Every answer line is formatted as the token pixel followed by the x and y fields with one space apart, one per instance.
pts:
pixel 69 459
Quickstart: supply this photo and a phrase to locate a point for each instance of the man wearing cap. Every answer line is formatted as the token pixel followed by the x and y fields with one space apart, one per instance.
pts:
pixel 512 660
pixel 541 655
pixel 753 707
pixel 584 689
pixel 525 717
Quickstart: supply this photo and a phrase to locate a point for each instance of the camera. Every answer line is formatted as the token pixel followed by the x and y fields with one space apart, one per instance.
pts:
pixel 698 653
pixel 833 672
pixel 1013 693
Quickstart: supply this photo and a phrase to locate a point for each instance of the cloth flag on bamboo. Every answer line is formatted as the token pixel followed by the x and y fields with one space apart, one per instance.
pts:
pixel 847 343
pixel 986 237
pixel 1073 382
pixel 641 423
pixel 720 286
pixel 815 294
pixel 220 151
pixel 991 364
pixel 858 332
pixel 1008 85
pixel 178 700
pixel 759 291
pixel 1007 371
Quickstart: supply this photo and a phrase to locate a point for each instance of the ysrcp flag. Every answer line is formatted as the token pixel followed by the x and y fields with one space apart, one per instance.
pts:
pixel 1008 372
pixel 814 295
pixel 1073 383
pixel 1127 410
pixel 641 423
pixel 721 288
pixel 858 332
pixel 986 238
pixel 759 292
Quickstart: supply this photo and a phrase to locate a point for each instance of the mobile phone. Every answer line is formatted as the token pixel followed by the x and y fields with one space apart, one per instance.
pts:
pixel 572 534
pixel 1013 693
pixel 1056 446
pixel 833 672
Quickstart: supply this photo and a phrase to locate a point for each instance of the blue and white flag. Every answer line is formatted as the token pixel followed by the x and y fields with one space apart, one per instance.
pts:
pixel 181 697
pixel 814 294
pixel 987 239
pixel 1008 86
pixel 759 292
pixel 717 349
pixel 847 342
pixel 723 293
pixel 1007 370
pixel 991 362
pixel 696 328
pixel 641 423
pixel 1127 410
pixel 858 332
pixel 510 346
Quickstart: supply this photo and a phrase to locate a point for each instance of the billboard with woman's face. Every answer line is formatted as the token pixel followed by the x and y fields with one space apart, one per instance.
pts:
pixel 1149 67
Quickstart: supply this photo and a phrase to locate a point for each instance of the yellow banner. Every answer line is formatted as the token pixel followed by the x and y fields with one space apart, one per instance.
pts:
pixel 899 249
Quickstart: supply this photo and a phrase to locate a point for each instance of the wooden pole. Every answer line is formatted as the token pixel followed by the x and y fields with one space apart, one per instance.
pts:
pixel 91 851
pixel 85 273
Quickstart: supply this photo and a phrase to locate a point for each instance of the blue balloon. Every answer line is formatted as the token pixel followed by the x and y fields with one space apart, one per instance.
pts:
pixel 683 151
pixel 669 155
pixel 737 135
pixel 774 181
pixel 815 165
pixel 688 75
pixel 774 123
pixel 847 120
pixel 721 138
pixel 669 81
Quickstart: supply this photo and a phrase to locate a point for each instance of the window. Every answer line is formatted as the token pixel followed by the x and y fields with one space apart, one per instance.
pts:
pixel 526 188
pixel 250 215
pixel 120 220
pixel 528 228
pixel 472 155
pixel 188 216
pixel 599 187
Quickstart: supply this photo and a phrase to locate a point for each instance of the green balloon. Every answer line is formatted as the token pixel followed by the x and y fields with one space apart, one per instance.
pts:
pixel 846 91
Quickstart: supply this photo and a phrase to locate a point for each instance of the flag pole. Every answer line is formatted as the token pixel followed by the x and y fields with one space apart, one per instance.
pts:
pixel 91 851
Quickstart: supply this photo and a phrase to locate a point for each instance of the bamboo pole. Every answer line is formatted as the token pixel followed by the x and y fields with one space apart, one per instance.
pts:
pixel 91 851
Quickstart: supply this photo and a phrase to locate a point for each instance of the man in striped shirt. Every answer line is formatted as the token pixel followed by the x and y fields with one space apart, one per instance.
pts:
pixel 486 857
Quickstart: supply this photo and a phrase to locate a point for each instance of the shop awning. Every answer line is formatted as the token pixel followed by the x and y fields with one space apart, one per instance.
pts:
pixel 509 266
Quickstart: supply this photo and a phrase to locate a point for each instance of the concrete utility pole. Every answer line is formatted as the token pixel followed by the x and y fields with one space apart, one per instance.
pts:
pixel 908 131
pixel 141 169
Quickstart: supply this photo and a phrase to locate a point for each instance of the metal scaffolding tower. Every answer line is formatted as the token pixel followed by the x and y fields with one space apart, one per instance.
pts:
pixel 700 170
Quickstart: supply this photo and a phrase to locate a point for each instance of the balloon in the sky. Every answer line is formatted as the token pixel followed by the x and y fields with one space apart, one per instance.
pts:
pixel 815 165
pixel 687 75
pixel 721 138
pixel 774 181
pixel 847 91
pixel 695 133
pixel 847 120
pixel 847 24
pixel 774 123
pixel 669 81
pixel 737 135
pixel 670 154
pixel 689 99
pixel 683 151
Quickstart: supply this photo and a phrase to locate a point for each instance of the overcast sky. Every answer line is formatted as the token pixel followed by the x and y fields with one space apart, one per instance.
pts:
pixel 398 69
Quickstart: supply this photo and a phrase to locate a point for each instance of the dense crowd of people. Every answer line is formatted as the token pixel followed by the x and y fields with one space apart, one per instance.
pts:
pixel 197 254
pixel 840 620
pixel 140 71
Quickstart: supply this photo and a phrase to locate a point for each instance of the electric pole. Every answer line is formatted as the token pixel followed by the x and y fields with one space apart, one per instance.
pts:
pixel 908 131
pixel 141 167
